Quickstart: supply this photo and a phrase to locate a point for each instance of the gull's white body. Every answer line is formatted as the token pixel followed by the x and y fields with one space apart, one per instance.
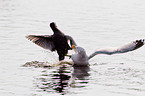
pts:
pixel 81 58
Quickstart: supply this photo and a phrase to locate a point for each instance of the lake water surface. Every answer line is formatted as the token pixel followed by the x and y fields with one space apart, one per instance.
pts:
pixel 93 24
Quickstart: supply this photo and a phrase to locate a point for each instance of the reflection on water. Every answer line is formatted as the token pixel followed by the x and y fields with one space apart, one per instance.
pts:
pixel 62 79
pixel 56 81
pixel 81 72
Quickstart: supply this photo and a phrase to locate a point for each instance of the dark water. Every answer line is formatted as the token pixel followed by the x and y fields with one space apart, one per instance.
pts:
pixel 61 80
pixel 93 24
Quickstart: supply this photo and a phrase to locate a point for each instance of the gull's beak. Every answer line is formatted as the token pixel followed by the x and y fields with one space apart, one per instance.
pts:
pixel 74 47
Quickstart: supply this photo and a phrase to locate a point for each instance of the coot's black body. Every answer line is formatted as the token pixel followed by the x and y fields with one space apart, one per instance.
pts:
pixel 60 42
pixel 56 42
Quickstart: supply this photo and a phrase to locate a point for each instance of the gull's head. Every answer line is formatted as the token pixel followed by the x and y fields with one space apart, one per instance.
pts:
pixel 79 50
pixel 80 58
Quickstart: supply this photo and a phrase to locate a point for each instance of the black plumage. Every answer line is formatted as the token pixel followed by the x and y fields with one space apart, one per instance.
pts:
pixel 56 42
pixel 139 43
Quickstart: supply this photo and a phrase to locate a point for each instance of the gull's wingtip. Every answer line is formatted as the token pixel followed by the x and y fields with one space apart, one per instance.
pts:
pixel 139 43
pixel 140 40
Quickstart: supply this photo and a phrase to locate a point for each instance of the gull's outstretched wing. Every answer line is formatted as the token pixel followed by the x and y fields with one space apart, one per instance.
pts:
pixel 44 41
pixel 122 49
pixel 72 42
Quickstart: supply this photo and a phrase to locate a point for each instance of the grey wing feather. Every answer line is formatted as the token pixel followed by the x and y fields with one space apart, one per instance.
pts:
pixel 131 46
pixel 44 41
pixel 122 49
pixel 72 42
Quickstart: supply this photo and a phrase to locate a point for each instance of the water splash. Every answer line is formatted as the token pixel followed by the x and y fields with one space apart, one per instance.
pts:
pixel 37 64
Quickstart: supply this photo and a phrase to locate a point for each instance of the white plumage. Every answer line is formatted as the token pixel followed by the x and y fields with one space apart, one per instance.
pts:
pixel 81 58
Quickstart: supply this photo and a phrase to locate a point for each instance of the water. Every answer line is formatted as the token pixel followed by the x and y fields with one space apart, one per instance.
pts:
pixel 93 24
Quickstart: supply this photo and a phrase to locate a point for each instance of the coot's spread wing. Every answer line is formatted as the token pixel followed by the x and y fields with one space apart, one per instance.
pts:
pixel 44 41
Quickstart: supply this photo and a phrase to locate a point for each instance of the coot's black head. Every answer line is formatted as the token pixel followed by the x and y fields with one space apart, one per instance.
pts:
pixel 53 25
